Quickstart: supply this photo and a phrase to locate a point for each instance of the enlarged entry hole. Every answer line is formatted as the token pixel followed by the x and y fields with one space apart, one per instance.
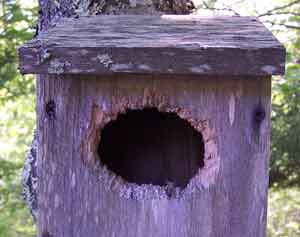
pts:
pixel 151 147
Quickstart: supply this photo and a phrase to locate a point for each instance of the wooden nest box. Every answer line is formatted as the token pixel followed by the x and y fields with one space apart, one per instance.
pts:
pixel 153 125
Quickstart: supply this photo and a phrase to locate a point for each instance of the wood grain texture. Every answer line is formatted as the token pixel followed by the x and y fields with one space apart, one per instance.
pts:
pixel 73 201
pixel 153 44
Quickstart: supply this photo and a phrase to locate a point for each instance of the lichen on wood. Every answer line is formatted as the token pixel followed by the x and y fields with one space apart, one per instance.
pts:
pixel 29 178
pixel 58 67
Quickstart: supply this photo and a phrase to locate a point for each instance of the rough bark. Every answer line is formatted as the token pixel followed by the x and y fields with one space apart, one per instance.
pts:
pixel 51 11
pixel 29 177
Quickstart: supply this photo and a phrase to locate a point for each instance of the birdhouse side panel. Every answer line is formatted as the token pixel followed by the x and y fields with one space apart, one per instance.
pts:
pixel 226 195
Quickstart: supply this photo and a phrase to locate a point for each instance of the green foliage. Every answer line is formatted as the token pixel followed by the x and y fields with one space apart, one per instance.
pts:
pixel 17 118
pixel 15 24
pixel 15 219
pixel 284 212
pixel 285 162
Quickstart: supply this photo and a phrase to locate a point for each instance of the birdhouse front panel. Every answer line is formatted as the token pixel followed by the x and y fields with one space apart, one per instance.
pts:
pixel 153 126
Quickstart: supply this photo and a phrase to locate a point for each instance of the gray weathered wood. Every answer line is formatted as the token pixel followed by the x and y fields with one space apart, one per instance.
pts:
pixel 76 199
pixel 153 44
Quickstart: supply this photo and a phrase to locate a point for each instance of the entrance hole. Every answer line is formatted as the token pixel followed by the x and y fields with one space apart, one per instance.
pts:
pixel 151 147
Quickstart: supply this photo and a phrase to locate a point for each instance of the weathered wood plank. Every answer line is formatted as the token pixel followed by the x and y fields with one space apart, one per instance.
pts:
pixel 76 200
pixel 152 44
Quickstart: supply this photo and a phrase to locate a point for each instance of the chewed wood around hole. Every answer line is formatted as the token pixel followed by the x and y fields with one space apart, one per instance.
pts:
pixel 151 147
pixel 150 152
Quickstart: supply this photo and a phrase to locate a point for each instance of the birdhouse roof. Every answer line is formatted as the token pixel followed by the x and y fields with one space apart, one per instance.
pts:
pixel 168 44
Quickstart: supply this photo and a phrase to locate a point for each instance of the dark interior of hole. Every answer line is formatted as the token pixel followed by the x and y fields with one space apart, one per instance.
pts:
pixel 150 147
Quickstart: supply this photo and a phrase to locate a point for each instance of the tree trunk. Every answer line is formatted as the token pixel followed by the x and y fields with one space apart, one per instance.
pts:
pixel 53 10
pixel 50 11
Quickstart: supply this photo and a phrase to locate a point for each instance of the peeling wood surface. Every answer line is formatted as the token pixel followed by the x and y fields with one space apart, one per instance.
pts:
pixel 152 44
pixel 78 200
pixel 154 98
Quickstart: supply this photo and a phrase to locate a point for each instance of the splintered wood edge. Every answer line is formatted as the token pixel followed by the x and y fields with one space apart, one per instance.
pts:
pixel 50 55
pixel 204 178
pixel 108 61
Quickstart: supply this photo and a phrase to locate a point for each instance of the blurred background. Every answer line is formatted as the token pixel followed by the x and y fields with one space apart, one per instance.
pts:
pixel 17 110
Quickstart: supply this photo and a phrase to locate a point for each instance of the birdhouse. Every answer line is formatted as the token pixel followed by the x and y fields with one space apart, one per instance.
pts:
pixel 153 125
